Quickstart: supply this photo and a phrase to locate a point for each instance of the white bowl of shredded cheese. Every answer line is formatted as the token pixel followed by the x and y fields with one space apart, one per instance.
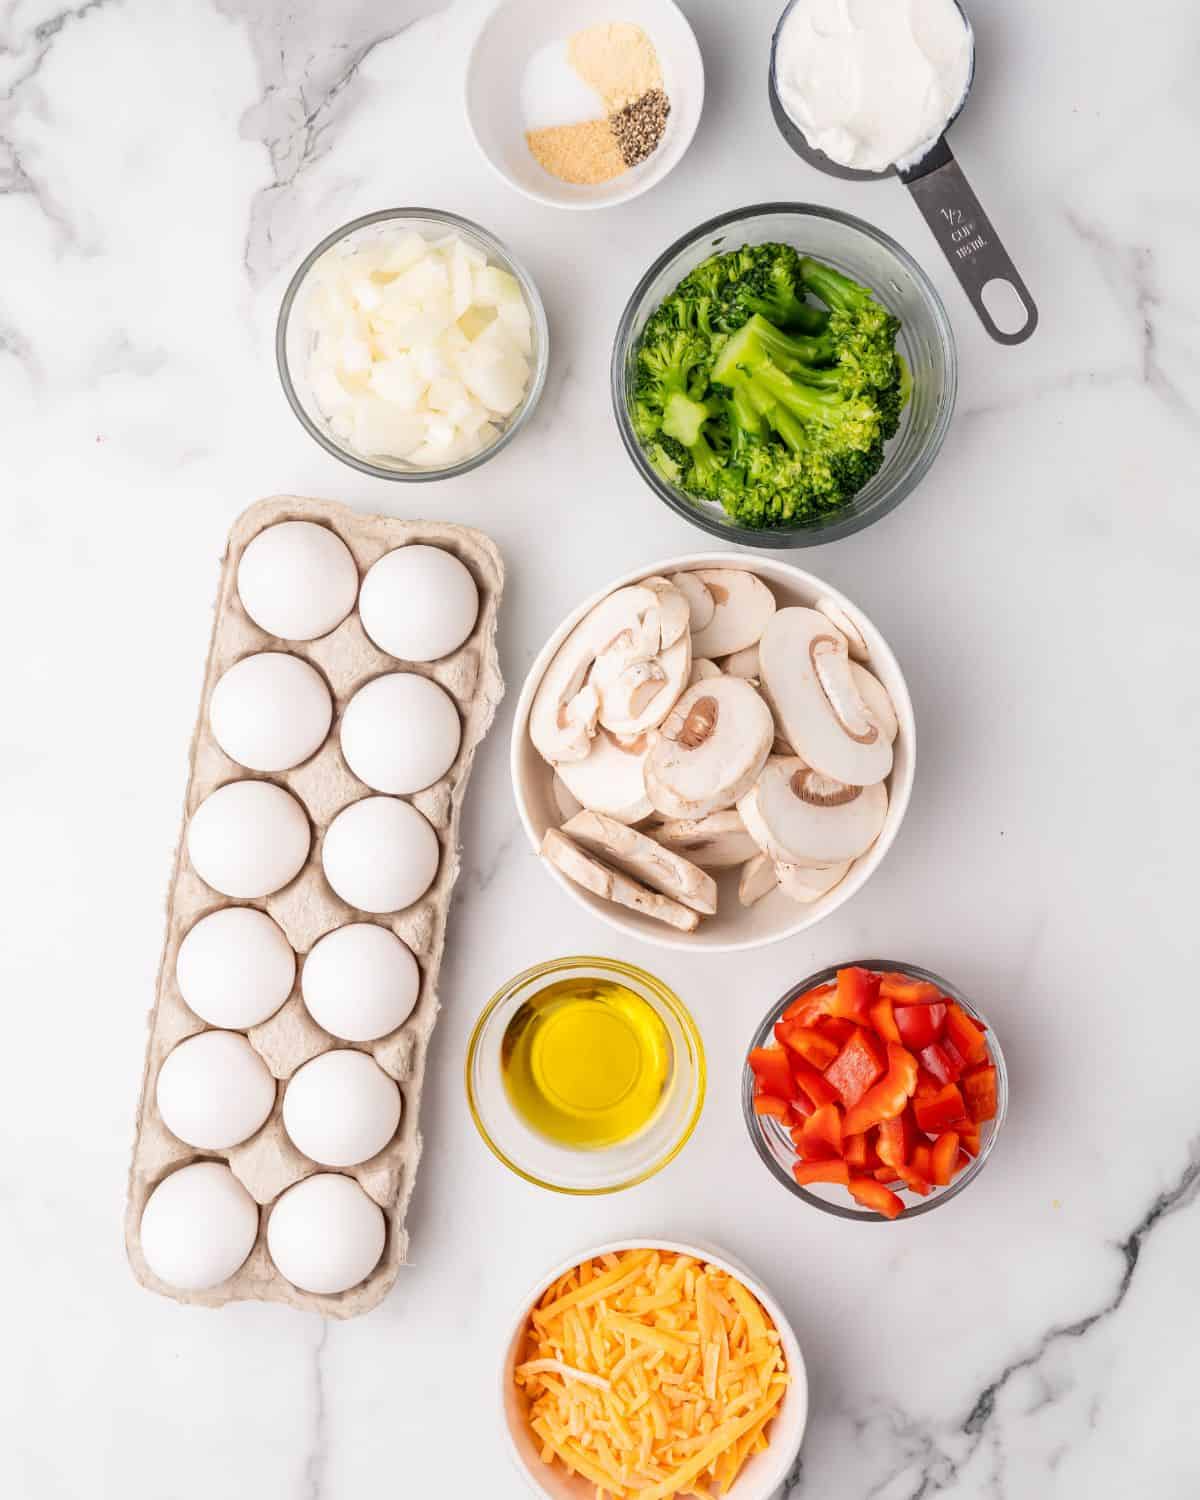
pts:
pixel 655 1438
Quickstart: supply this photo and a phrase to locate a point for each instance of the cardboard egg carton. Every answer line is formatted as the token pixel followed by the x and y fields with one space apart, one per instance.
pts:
pixel 307 908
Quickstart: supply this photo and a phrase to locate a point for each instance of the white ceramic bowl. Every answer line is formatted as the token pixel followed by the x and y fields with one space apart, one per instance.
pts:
pixel 760 1477
pixel 514 30
pixel 776 916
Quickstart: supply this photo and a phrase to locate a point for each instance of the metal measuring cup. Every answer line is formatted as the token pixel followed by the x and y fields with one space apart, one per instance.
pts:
pixel 944 196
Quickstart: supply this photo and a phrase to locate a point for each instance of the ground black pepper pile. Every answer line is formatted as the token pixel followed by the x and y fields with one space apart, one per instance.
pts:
pixel 638 127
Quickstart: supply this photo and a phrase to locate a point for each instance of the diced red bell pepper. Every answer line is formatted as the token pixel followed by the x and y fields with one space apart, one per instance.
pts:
pixel 813 1003
pixel 952 1052
pixel 944 1157
pixel 896 1139
pixel 968 1136
pixel 887 1175
pixel 883 1018
pixel 772 1073
pixel 820 1137
pixel 778 1109
pixel 807 1043
pixel 964 1160
pixel 821 1171
pixel 801 1106
pixel 938 1061
pixel 927 1084
pixel 835 1028
pixel 919 1025
pixel 887 1098
pixel 874 1195
pixel 856 1067
pixel 979 1090
pixel 854 1151
pixel 937 1112
pixel 857 991
pixel 966 1036
pixel 905 990
pixel 813 1083
pixel 860 1152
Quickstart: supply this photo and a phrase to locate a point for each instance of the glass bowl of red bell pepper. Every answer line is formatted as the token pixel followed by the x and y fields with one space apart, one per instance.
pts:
pixel 874 1090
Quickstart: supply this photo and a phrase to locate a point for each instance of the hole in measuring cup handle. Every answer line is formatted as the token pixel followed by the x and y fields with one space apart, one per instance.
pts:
pixel 1004 303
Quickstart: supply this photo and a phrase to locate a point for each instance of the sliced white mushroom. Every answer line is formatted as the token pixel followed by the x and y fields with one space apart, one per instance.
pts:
pixel 612 778
pixel 717 842
pixel 636 695
pixel 628 628
pixel 806 678
pixel 759 877
pixel 611 885
pixel 856 642
pixel 701 603
pixel 674 612
pixel 800 817
pixel 743 605
pixel 637 855
pixel 702 669
pixel 565 800
pixel 877 702
pixel 809 885
pixel 743 663
pixel 710 749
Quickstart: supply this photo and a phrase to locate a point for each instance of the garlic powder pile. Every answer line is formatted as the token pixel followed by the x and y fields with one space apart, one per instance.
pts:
pixel 595 105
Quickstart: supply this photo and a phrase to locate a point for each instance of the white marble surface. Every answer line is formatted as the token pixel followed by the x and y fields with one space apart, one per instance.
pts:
pixel 163 165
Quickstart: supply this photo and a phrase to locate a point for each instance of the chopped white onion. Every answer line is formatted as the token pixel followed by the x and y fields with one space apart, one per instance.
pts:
pixel 420 349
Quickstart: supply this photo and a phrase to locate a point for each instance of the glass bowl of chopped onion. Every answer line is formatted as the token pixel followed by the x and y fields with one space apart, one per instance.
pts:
pixel 412 344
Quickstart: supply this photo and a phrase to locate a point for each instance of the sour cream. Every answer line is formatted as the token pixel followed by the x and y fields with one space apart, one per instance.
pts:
pixel 872 83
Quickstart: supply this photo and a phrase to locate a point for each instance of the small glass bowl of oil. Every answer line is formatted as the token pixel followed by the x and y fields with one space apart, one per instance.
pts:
pixel 585 1075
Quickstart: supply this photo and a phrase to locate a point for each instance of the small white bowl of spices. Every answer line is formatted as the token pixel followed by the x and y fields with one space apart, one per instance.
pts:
pixel 583 104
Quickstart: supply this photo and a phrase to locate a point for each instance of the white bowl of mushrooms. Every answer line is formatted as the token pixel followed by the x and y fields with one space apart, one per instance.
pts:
pixel 714 752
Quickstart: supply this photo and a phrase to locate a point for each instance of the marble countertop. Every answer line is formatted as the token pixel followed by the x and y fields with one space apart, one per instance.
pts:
pixel 163 166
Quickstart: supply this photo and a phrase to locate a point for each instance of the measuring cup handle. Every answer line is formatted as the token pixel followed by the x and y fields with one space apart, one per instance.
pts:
pixel 968 241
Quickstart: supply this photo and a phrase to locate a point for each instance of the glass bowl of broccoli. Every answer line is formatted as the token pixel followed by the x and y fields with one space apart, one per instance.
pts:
pixel 784 375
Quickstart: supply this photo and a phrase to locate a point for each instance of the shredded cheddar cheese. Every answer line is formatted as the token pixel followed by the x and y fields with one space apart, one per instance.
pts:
pixel 651 1375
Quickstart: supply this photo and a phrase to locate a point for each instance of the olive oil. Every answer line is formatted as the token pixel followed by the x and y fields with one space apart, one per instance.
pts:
pixel 586 1062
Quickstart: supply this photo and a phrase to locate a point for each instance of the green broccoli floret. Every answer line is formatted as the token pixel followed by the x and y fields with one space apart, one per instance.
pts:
pixel 670 362
pixel 771 284
pixel 802 392
pixel 862 329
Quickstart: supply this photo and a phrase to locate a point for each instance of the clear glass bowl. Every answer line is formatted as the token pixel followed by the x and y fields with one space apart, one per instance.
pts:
pixel 293 339
pixel 584 1172
pixel 775 1147
pixel 926 342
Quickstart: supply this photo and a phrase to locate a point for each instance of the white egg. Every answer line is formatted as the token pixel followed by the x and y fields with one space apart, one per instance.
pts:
pixel 380 855
pixel 271 711
pixel 418 603
pixel 235 968
pixel 248 838
pixel 198 1226
pixel 214 1090
pixel 400 733
pixel 297 580
pixel 325 1235
pixel 360 982
pixel 341 1108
